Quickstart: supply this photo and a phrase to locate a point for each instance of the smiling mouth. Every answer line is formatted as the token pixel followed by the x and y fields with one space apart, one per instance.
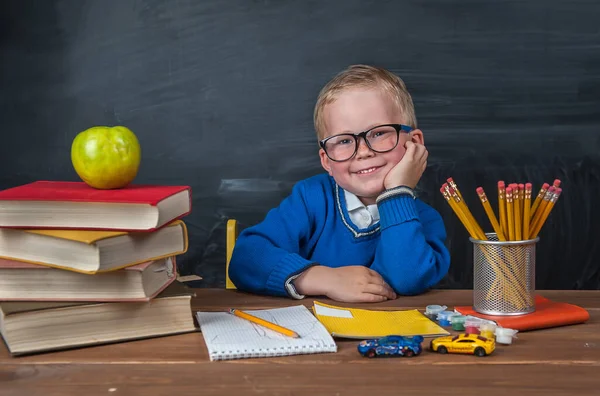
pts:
pixel 368 170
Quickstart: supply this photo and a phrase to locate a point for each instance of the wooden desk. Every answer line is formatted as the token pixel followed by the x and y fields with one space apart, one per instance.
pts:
pixel 555 361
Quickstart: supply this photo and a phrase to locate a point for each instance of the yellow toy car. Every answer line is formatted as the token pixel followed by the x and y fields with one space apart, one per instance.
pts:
pixel 464 343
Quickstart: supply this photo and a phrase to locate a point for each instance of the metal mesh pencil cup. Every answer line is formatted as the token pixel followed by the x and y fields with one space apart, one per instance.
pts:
pixel 503 276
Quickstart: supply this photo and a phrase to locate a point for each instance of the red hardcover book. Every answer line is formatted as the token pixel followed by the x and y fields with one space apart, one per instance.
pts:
pixel 547 313
pixel 75 205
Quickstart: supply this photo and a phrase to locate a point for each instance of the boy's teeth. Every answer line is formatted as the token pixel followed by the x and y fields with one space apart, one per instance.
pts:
pixel 367 170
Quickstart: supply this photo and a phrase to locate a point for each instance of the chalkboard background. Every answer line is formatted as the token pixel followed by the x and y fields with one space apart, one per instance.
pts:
pixel 221 93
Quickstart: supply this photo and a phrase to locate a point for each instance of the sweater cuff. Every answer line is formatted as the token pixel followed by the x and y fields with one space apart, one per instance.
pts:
pixel 289 266
pixel 396 210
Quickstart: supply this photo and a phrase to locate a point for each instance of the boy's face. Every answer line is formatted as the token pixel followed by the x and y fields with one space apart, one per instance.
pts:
pixel 356 110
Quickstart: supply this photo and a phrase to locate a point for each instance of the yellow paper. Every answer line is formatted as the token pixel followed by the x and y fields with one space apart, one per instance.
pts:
pixel 363 323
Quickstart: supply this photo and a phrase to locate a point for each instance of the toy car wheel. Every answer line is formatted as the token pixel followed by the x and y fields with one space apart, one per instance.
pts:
pixel 442 349
pixel 409 353
pixel 479 351
pixel 371 353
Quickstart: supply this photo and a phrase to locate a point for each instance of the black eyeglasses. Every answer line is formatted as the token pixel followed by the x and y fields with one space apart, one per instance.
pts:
pixel 381 139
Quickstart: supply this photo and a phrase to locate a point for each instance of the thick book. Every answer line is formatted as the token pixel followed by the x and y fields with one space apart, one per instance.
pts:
pixel 21 281
pixel 230 337
pixel 547 314
pixel 65 205
pixel 34 327
pixel 92 252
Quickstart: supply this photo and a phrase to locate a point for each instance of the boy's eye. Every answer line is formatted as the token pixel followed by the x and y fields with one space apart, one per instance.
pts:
pixel 342 142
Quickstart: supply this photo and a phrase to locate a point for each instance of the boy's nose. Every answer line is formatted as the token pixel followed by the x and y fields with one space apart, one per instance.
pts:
pixel 363 150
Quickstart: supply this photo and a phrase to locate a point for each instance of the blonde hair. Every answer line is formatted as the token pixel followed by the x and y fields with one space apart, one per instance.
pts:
pixel 364 76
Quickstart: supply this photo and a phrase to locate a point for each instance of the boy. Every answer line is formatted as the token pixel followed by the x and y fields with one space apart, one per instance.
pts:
pixel 357 233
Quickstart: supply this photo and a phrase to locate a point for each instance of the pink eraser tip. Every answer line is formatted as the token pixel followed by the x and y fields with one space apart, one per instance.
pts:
pixel 501 184
pixel 479 190
pixel 442 189
pixel 444 185
pixel 551 188
pixel 449 180
pixel 521 186
pixel 558 190
pixel 556 181
pixel 528 186
pixel 509 189
pixel 545 186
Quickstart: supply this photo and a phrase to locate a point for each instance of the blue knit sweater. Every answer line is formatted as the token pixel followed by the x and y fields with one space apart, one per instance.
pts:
pixel 312 226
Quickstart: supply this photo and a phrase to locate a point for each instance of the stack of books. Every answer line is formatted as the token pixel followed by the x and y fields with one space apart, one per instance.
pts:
pixel 81 266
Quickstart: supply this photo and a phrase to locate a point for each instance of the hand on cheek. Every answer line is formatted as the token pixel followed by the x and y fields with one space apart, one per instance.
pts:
pixel 410 168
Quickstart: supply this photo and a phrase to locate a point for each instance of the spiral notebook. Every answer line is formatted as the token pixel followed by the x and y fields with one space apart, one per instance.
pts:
pixel 230 337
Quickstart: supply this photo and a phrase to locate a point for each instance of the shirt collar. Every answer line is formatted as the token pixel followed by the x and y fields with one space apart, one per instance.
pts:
pixel 353 203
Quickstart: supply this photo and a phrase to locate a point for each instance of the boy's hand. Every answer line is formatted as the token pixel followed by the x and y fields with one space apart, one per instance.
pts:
pixel 347 284
pixel 410 168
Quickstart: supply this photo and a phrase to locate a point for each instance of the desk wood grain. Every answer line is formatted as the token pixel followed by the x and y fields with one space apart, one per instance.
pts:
pixel 563 360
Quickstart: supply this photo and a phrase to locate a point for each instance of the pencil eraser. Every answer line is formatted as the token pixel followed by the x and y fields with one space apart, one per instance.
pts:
pixel 521 186
pixel 528 186
pixel 442 189
pixel 558 190
pixel 556 183
pixel 509 189
pixel 501 184
pixel 545 186
pixel 449 180
pixel 551 188
pixel 479 190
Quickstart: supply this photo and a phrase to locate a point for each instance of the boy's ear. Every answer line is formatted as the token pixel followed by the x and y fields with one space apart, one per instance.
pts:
pixel 416 136
pixel 325 162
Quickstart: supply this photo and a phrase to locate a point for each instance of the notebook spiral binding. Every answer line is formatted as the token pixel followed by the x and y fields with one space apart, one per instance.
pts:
pixel 272 352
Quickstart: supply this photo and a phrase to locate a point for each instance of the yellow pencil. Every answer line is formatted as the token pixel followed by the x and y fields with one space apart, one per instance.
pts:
pixel 540 211
pixel 517 207
pixel 535 231
pixel 538 199
pixel 502 207
pixel 264 323
pixel 445 190
pixel 509 213
pixel 490 214
pixel 526 209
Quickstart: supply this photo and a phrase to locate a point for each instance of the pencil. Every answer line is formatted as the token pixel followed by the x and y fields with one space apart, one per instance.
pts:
pixel 517 207
pixel 521 207
pixel 468 215
pixel 540 211
pixel 502 207
pixel 538 199
pixel 264 323
pixel 526 209
pixel 547 211
pixel 454 186
pixel 445 190
pixel 556 183
pixel 490 214
pixel 509 213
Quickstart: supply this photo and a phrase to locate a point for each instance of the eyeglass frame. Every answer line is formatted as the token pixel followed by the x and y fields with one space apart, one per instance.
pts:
pixel 356 136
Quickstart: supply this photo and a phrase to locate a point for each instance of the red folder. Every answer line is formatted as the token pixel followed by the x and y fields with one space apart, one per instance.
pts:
pixel 547 313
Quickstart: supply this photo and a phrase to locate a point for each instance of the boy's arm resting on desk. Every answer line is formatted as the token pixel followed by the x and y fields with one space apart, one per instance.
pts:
pixel 411 255
pixel 266 255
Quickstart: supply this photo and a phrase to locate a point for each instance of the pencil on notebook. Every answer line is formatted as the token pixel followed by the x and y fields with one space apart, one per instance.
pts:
pixel 264 323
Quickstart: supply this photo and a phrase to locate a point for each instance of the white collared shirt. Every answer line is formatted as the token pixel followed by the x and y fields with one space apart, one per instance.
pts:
pixel 362 216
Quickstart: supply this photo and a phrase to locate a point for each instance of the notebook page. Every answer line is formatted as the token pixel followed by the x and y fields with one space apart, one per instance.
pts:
pixel 363 323
pixel 230 337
